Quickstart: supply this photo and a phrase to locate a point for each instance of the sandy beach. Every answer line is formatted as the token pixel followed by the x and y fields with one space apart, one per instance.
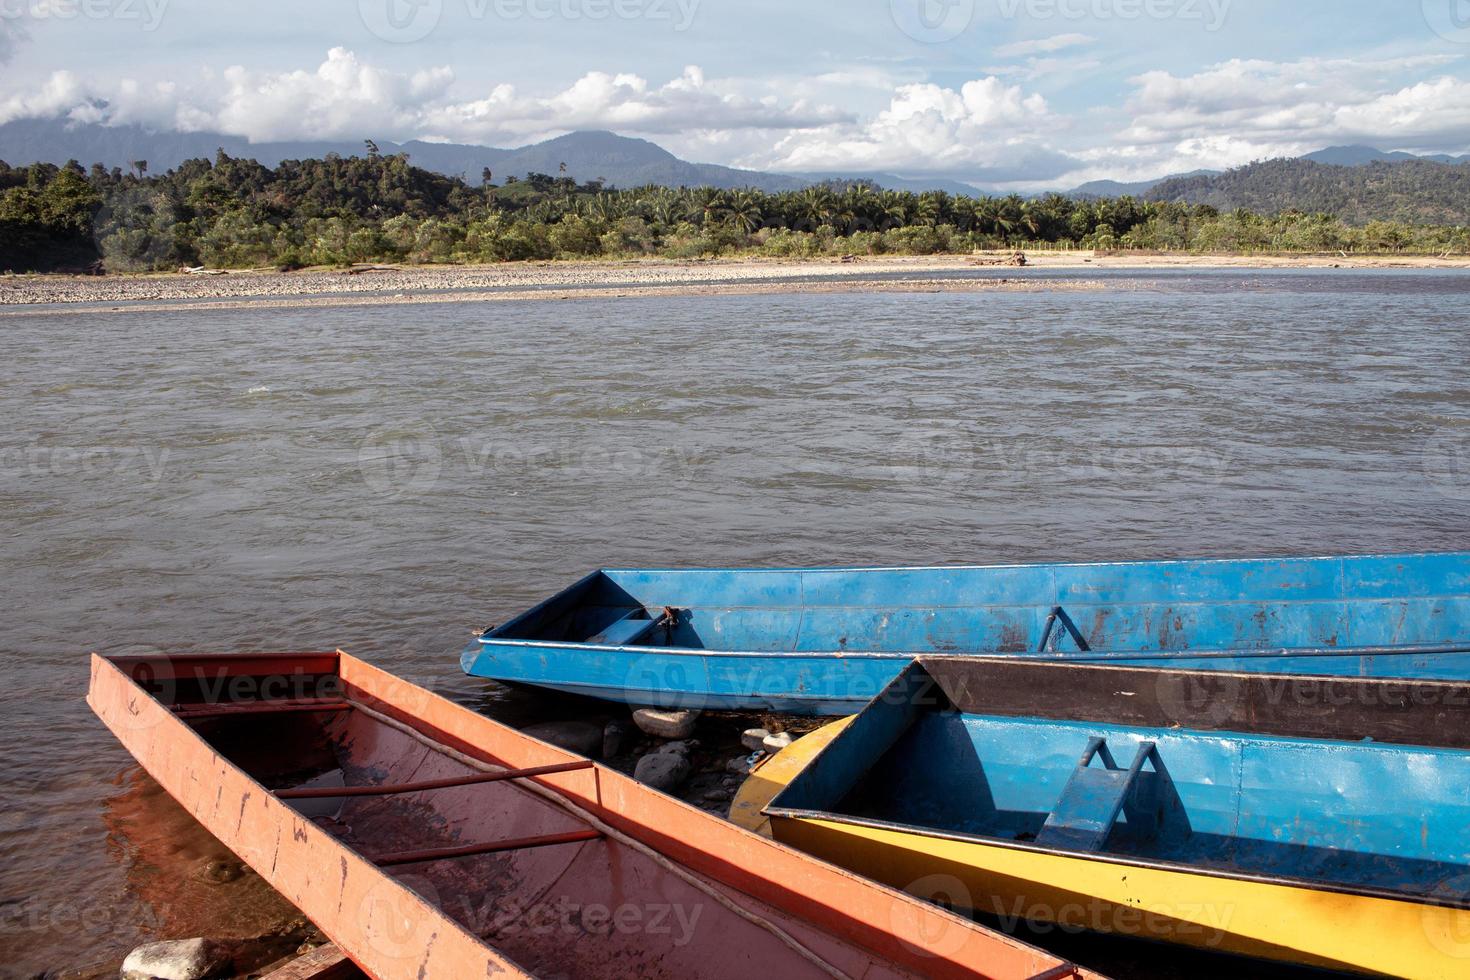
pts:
pixel 22 294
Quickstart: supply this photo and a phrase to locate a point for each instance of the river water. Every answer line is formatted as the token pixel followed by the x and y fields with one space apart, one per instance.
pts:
pixel 388 480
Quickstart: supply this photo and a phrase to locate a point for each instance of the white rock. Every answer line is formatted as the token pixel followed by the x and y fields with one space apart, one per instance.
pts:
pixel 183 959
pixel 775 743
pixel 665 724
pixel 754 739
pixel 662 770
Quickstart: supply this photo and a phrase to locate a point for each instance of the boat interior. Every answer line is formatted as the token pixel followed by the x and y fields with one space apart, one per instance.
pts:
pixel 1396 601
pixel 495 850
pixel 940 753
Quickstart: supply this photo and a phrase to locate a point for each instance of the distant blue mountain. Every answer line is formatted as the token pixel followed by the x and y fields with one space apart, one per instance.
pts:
pixel 1113 188
pixel 619 161
pixel 1360 156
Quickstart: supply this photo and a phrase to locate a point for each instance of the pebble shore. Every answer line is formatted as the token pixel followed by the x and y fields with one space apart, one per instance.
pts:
pixel 519 281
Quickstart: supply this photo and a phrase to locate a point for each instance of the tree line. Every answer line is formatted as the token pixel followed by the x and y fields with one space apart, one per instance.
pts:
pixel 236 213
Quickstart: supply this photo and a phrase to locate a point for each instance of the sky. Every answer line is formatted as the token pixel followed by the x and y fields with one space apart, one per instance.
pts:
pixel 1019 94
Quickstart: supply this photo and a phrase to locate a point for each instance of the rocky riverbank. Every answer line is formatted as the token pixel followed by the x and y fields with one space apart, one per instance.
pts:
pixel 381 286
pixel 564 280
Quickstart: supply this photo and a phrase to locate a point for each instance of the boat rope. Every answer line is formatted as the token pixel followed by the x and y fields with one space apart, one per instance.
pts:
pixel 613 833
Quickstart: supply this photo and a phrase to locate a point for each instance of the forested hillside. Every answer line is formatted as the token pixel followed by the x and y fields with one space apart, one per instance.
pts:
pixel 1414 191
pixel 239 214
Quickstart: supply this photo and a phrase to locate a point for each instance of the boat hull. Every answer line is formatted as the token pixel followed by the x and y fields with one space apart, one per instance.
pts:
pixel 823 641
pixel 555 831
pixel 1260 919
pixel 1309 820
pixel 836 684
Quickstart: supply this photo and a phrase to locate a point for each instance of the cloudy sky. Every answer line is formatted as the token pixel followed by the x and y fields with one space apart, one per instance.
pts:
pixel 1020 93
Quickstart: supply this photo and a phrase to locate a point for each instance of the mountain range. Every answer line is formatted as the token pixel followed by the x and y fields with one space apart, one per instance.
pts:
pixel 1358 183
pixel 619 161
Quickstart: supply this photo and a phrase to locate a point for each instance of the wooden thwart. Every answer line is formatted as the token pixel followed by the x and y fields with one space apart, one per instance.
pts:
pixel 323 963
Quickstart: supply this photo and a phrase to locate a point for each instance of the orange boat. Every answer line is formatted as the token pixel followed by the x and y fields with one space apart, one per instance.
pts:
pixel 431 842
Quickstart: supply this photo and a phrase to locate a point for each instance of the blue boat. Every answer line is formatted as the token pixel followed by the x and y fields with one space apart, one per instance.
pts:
pixel 1312 820
pixel 825 641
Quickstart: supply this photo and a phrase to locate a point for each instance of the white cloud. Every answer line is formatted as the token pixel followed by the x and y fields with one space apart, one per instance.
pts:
pixel 1045 45
pixel 62 94
pixel 994 129
pixel 983 125
pixel 345 97
pixel 1243 110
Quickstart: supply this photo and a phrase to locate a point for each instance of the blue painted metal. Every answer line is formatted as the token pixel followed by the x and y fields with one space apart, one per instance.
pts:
pixel 1357 815
pixel 825 641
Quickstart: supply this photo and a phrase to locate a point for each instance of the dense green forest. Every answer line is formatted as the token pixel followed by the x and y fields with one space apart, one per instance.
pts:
pixel 238 214
pixel 1412 192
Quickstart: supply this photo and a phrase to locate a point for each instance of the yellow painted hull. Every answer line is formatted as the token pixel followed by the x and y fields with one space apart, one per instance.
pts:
pixel 1270 920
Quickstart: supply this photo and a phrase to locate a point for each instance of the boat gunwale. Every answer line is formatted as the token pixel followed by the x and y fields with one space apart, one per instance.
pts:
pixel 1160 563
pixel 1176 867
pixel 1079 656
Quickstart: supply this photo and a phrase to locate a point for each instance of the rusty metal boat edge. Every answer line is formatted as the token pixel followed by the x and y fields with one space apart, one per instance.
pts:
pixel 355 902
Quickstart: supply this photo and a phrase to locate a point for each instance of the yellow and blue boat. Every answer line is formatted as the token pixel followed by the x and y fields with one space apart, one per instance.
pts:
pixel 1313 820
pixel 823 641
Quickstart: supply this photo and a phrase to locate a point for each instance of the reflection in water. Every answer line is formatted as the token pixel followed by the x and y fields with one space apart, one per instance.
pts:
pixel 185 877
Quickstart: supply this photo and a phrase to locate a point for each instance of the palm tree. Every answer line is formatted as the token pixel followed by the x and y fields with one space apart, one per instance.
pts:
pixel 814 206
pixel 744 210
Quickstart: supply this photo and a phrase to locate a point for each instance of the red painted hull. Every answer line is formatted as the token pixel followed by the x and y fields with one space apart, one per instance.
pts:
pixel 463 873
